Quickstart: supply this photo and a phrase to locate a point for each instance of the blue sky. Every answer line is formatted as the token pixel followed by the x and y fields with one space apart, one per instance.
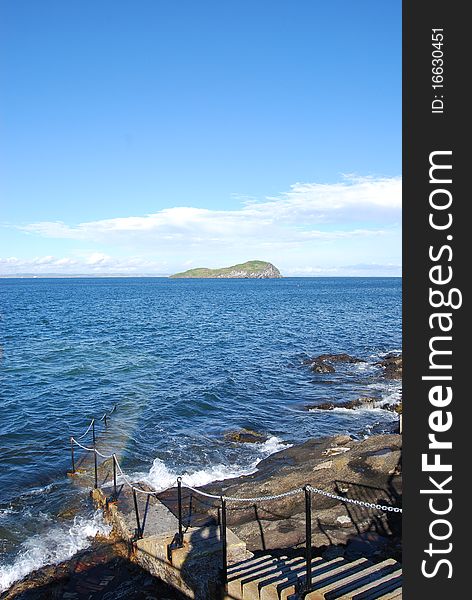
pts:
pixel 150 136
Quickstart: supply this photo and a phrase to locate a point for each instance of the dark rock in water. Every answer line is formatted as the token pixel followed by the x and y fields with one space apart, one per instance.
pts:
pixel 321 406
pixel 323 362
pixel 367 401
pixel 392 365
pixel 245 436
pixel 363 402
pixel 347 358
pixel 321 367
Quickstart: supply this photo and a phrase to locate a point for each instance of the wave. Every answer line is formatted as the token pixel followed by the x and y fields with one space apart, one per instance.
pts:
pixel 360 410
pixel 56 545
pixel 160 477
pixel 36 491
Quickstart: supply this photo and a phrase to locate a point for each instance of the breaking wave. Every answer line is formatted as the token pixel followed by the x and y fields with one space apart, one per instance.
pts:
pixel 54 546
pixel 160 477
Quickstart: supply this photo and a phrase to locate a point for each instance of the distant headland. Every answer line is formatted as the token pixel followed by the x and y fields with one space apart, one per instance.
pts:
pixel 253 269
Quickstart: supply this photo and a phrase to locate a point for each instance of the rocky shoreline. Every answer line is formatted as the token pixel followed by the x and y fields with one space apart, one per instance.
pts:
pixel 390 368
pixel 368 470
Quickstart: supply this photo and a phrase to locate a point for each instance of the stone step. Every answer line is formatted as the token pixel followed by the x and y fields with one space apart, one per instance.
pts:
pixel 269 578
pixel 330 590
pixel 286 588
pixel 245 570
pixel 253 587
pixel 235 568
pixel 206 541
pixel 154 517
pixel 334 576
pixel 393 595
pixel 377 588
pixel 272 588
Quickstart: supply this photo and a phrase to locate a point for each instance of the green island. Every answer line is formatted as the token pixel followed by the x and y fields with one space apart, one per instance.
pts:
pixel 253 269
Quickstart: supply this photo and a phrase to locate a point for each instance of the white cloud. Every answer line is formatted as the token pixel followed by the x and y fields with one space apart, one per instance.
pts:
pixel 307 208
pixel 331 225
pixel 94 263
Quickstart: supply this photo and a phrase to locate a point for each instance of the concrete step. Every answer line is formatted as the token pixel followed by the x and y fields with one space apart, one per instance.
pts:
pixel 199 542
pixel 270 578
pixel 336 574
pixel 253 588
pixel 393 595
pixel 349 582
pixel 272 588
pixel 239 567
pixel 241 571
pixel 377 588
pixel 288 587
pixel 154 517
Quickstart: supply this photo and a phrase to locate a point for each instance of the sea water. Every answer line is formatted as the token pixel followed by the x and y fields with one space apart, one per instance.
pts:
pixel 184 361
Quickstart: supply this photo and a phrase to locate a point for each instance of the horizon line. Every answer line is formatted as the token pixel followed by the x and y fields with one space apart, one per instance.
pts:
pixel 124 276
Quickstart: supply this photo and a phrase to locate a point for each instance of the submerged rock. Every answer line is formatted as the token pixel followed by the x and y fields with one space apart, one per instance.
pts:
pixel 347 358
pixel 246 436
pixel 321 367
pixel 362 402
pixel 392 365
pixel 323 362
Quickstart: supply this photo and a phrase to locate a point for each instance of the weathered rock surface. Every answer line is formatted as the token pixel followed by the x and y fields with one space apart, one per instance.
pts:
pixel 323 362
pixel 362 402
pixel 367 470
pixel 347 358
pixel 322 367
pixel 102 571
pixel 245 436
pixel 392 365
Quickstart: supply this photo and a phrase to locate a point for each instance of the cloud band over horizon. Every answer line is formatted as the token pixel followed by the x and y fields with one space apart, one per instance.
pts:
pixel 351 227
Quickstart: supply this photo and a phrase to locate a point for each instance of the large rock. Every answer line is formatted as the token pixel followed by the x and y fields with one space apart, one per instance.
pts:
pixel 367 470
pixel 245 436
pixel 322 367
pixel 347 358
pixel 323 362
pixel 392 365
pixel 362 402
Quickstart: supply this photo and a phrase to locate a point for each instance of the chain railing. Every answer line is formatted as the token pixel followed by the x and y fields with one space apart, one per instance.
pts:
pixel 177 542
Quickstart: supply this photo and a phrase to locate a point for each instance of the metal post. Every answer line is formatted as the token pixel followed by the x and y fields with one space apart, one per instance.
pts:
pixel 93 431
pixel 308 537
pixel 179 502
pixel 224 570
pixel 115 495
pixel 138 531
pixel 72 453
pixel 96 468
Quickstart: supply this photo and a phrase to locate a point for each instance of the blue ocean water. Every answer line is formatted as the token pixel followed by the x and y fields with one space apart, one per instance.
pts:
pixel 184 361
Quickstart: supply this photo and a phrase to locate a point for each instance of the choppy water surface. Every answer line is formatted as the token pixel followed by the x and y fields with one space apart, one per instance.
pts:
pixel 184 361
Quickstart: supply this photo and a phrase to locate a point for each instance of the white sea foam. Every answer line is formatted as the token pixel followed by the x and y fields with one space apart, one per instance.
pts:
pixel 363 409
pixel 40 490
pixel 160 477
pixel 57 544
pixel 6 511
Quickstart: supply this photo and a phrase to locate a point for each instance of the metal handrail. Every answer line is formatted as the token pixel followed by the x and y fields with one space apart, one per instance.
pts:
pixel 307 490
